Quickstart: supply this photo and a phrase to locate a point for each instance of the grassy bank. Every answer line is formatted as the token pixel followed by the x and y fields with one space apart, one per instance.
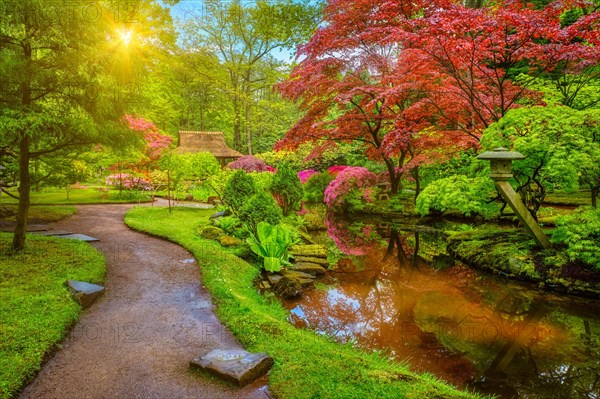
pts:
pixel 306 365
pixel 36 309
pixel 80 196
pixel 38 214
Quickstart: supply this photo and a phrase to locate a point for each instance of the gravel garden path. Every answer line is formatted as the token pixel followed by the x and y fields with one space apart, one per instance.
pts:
pixel 136 341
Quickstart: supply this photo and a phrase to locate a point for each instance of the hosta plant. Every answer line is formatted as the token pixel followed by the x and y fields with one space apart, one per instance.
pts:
pixel 271 243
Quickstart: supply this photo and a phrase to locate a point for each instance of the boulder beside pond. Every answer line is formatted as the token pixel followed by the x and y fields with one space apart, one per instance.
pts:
pixel 235 365
pixel 288 288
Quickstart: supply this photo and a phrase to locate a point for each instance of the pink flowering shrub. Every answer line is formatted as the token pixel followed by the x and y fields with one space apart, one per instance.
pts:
pixel 334 170
pixel 303 175
pixel 156 143
pixel 350 179
pixel 249 163
pixel 127 181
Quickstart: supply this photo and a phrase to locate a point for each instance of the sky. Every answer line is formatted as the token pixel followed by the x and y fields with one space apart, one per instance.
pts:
pixel 188 8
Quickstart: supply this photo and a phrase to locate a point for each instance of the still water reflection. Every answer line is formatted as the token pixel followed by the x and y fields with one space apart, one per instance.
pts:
pixel 399 293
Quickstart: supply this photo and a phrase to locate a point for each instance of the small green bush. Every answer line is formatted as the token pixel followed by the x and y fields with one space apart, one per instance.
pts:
pixel 239 187
pixel 580 232
pixel 229 224
pixel 260 207
pixel 262 180
pixel 468 196
pixel 315 187
pixel 287 188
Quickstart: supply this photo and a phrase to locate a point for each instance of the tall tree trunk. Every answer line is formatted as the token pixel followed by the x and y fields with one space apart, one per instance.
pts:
pixel 18 243
pixel 391 167
pixel 415 173
pixel 394 176
pixel 248 130
pixel 595 196
pixel 237 133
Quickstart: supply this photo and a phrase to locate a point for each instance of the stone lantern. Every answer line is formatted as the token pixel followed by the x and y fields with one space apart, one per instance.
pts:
pixel 501 171
pixel 501 162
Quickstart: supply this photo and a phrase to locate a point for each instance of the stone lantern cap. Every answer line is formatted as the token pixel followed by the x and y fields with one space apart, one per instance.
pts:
pixel 501 154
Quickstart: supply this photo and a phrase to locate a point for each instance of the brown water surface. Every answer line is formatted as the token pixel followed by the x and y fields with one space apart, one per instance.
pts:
pixel 473 330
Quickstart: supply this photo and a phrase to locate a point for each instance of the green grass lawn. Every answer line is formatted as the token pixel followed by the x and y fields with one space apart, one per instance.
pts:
pixel 90 195
pixel 569 199
pixel 36 309
pixel 307 365
pixel 39 214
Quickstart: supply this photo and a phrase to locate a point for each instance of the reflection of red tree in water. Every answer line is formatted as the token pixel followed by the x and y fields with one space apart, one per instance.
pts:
pixel 349 242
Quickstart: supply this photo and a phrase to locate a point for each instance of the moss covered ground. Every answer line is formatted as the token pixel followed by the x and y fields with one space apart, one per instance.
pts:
pixel 513 253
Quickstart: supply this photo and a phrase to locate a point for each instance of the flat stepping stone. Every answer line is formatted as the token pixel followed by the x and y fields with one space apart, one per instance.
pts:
pixel 235 365
pixel 53 233
pixel 304 279
pixel 293 274
pixel 313 250
pixel 309 268
pixel 81 237
pixel 85 293
pixel 311 259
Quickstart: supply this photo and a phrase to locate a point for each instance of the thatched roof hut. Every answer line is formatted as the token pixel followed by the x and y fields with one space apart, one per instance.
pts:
pixel 213 142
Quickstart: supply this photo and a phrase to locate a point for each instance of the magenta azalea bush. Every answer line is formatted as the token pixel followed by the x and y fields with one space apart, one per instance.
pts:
pixel 350 179
pixel 127 181
pixel 249 163
pixel 303 175
pixel 334 170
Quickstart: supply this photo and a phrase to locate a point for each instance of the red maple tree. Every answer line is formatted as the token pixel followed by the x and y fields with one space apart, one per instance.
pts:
pixel 419 81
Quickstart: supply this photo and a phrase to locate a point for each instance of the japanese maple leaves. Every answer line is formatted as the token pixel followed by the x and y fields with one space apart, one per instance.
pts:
pixel 417 79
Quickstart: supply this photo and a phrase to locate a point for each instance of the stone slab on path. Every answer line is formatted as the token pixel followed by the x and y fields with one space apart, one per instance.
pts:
pixel 81 237
pixel 235 365
pixel 85 293
pixel 53 233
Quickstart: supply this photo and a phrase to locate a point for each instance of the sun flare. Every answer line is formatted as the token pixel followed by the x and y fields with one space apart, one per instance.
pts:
pixel 126 36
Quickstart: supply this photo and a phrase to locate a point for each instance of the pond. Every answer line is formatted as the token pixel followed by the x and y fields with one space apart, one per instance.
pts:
pixel 393 289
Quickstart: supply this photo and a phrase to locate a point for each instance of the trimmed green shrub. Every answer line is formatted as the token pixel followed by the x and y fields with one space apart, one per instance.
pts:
pixel 239 187
pixel 287 189
pixel 261 207
pixel 315 186
pixel 468 196
pixel 580 232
